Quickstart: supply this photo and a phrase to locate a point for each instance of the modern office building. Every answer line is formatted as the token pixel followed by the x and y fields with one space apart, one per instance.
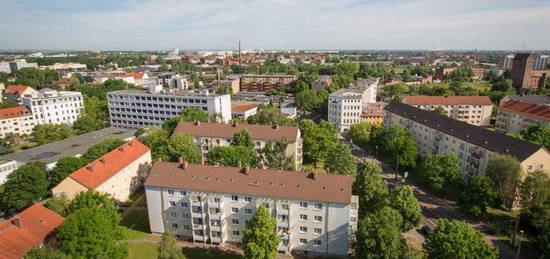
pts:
pixel 52 106
pixel 264 83
pixel 475 110
pixel 471 144
pixel 209 135
pixel 117 173
pixel 316 213
pixel 16 120
pixel 141 108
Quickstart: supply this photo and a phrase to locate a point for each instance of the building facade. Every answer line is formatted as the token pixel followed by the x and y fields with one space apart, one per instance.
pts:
pixel 140 108
pixel 316 213
pixel 117 173
pixel 344 109
pixel 515 115
pixel 51 106
pixel 475 110
pixel 264 83
pixel 373 113
pixel 16 120
pixel 523 75
pixel 15 92
pixel 243 110
pixel 472 145
pixel 209 135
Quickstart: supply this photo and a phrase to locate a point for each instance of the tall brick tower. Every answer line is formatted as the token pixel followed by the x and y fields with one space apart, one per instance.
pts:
pixel 522 67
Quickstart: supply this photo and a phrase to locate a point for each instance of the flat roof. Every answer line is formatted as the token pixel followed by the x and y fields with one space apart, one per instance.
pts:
pixel 179 94
pixel 49 153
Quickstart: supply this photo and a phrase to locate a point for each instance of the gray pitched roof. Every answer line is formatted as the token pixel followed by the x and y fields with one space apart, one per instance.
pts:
pixel 490 140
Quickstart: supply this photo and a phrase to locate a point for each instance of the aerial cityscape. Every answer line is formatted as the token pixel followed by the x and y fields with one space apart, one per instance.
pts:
pixel 274 129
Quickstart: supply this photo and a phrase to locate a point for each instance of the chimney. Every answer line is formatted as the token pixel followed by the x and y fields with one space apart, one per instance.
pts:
pixel 90 167
pixel 130 144
pixel 239 164
pixel 235 124
pixel 197 123
pixel 203 161
pixel 276 126
pixel 246 170
pixel 17 222
pixel 181 160
pixel 185 164
pixel 102 160
pixel 313 176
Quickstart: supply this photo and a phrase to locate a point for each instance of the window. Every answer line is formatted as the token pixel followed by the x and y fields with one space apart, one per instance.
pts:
pixel 174 225
pixel 303 241
pixel 248 199
pixel 317 242
pixel 318 218
pixel 186 227
pixel 266 204
pixel 318 206
pixel 284 206
pixel 235 210
pixel 317 231
pixel 184 204
pixel 217 200
pixel 235 221
pixel 303 217
pixel 172 204
pixel 353 219
pixel 170 192
pixel 172 215
pixel 247 211
pixel 185 215
pixel 234 198
pixel 183 193
pixel 303 229
pixel 303 205
pixel 236 233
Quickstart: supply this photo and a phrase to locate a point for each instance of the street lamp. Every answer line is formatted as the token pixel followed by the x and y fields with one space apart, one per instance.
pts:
pixel 519 243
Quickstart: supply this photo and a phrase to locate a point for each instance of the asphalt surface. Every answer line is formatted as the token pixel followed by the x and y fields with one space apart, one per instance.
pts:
pixel 433 208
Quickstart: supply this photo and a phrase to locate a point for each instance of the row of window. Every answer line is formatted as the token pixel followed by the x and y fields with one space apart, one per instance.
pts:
pixel 63 99
pixel 157 99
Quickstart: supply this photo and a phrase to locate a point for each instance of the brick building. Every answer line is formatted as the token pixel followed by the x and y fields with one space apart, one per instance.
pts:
pixel 523 74
pixel 264 83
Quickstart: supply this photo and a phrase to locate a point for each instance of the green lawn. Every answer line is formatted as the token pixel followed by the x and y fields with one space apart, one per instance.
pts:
pixel 142 250
pixel 199 253
pixel 478 85
pixel 136 220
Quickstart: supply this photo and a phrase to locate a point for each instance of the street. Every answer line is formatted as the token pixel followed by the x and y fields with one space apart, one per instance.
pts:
pixel 433 207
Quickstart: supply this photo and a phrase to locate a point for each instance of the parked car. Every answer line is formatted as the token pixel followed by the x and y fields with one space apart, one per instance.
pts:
pixel 426 230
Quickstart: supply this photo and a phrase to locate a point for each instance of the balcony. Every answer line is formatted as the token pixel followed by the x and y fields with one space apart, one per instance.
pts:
pixel 197 226
pixel 196 203
pixel 283 247
pixel 284 224
pixel 283 211
pixel 217 216
pixel 214 205
pixel 199 238
pixel 196 214
pixel 217 240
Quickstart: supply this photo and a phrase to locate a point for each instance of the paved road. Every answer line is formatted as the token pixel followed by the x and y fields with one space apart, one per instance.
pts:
pixel 433 207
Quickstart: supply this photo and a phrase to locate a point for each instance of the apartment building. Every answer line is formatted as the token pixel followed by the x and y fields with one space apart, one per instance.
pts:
pixel 233 83
pixel 264 83
pixel 209 135
pixel 243 110
pixel 316 213
pixel 475 110
pixel 117 173
pixel 140 108
pixel 373 113
pixel 169 80
pixel 515 115
pixel 52 106
pixel 14 92
pixel 523 75
pixel 471 144
pixel 16 120
pixel 29 228
pixel 322 83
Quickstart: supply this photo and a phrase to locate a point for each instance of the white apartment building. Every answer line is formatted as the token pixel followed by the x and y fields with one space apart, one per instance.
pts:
pixel 315 213
pixel 471 144
pixel 16 120
pixel 210 135
pixel 52 106
pixel 346 105
pixel 515 115
pixel 6 168
pixel 169 80
pixel 5 67
pixel 475 110
pixel 140 108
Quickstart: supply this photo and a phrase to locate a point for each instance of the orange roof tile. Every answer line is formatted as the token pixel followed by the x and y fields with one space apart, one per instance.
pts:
pixel 220 130
pixel 447 100
pixel 243 106
pixel 14 112
pixel 137 75
pixel 102 169
pixel 15 89
pixel 35 224
pixel 538 111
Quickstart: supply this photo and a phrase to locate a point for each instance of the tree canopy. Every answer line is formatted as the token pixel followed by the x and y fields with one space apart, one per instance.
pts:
pixel 242 138
pixel 538 134
pixel 505 172
pixel 24 186
pixel 47 133
pixel 101 148
pixel 274 155
pixel 477 195
pixel 269 115
pixel 156 139
pixel 168 247
pixel 402 199
pixel 379 235
pixel 64 167
pixel 183 145
pixel 318 140
pixel 231 156
pixel 341 160
pixel 370 188
pixel 396 143
pixel 260 239
pixel 189 114
pixel 438 171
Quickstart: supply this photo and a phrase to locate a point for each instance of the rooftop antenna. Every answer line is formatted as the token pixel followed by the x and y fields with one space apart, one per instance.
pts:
pixel 239 52
pixel 475 56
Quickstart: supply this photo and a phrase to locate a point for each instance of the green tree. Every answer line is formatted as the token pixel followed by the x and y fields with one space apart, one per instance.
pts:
pixel 341 160
pixel 438 171
pixel 47 133
pixel 156 139
pixel 231 156
pixel 441 111
pixel 308 100
pixel 360 133
pixel 478 195
pixel 274 155
pixel 318 139
pixel 505 172
pixel 45 253
pixel 370 188
pixel 268 115
pixel 26 185
pixel 243 139
pixel 260 239
pixel 8 103
pixel 105 146
pixel 183 145
pixel 456 239
pixel 189 114
pixel 93 117
pixel 535 200
pixel 93 199
pixel 92 233
pixel 379 235
pixel 538 134
pixel 59 204
pixel 402 199
pixel 396 143
pixel 168 247
pixel 36 78
pixel 64 167
pixel 542 243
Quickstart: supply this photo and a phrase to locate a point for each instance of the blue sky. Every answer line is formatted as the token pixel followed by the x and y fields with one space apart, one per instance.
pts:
pixel 279 24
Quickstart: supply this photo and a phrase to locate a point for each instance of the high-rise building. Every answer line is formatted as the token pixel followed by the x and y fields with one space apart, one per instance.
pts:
pixel 541 61
pixel 523 75
pixel 315 213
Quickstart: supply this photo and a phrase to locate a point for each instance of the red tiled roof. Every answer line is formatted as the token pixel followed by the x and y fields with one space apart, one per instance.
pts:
pixel 102 169
pixel 243 106
pixel 14 112
pixel 447 100
pixel 35 224
pixel 220 130
pixel 15 89
pixel 137 75
pixel 538 111
pixel 258 182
